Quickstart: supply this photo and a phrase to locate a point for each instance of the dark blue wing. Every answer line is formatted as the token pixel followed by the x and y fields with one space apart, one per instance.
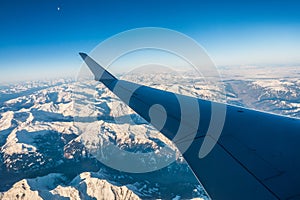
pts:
pixel 256 157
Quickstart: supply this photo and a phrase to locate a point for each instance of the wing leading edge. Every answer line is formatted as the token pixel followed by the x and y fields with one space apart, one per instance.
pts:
pixel 256 157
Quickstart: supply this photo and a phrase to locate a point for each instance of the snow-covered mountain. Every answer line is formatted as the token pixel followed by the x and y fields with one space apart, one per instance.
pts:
pixel 84 186
pixel 48 151
pixel 39 137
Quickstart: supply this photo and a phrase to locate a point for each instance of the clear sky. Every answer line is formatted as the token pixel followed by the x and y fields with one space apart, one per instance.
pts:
pixel 43 38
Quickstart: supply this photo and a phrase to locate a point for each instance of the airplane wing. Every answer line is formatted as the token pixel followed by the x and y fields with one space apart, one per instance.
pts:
pixel 256 157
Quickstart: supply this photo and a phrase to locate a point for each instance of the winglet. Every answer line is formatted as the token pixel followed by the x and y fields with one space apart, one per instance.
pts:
pixel 99 72
pixel 83 55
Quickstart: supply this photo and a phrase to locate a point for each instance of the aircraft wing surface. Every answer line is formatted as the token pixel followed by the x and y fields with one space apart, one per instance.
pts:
pixel 257 155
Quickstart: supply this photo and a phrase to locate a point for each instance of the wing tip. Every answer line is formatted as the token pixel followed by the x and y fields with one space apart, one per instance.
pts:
pixel 83 55
pixel 100 73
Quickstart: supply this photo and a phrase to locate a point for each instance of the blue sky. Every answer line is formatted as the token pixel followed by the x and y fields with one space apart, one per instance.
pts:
pixel 43 38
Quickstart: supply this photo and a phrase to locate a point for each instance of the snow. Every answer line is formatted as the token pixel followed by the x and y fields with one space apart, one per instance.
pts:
pixel 83 187
pixel 5 121
pixel 39 129
pixel 68 192
pixel 107 191
pixel 21 190
pixel 276 85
